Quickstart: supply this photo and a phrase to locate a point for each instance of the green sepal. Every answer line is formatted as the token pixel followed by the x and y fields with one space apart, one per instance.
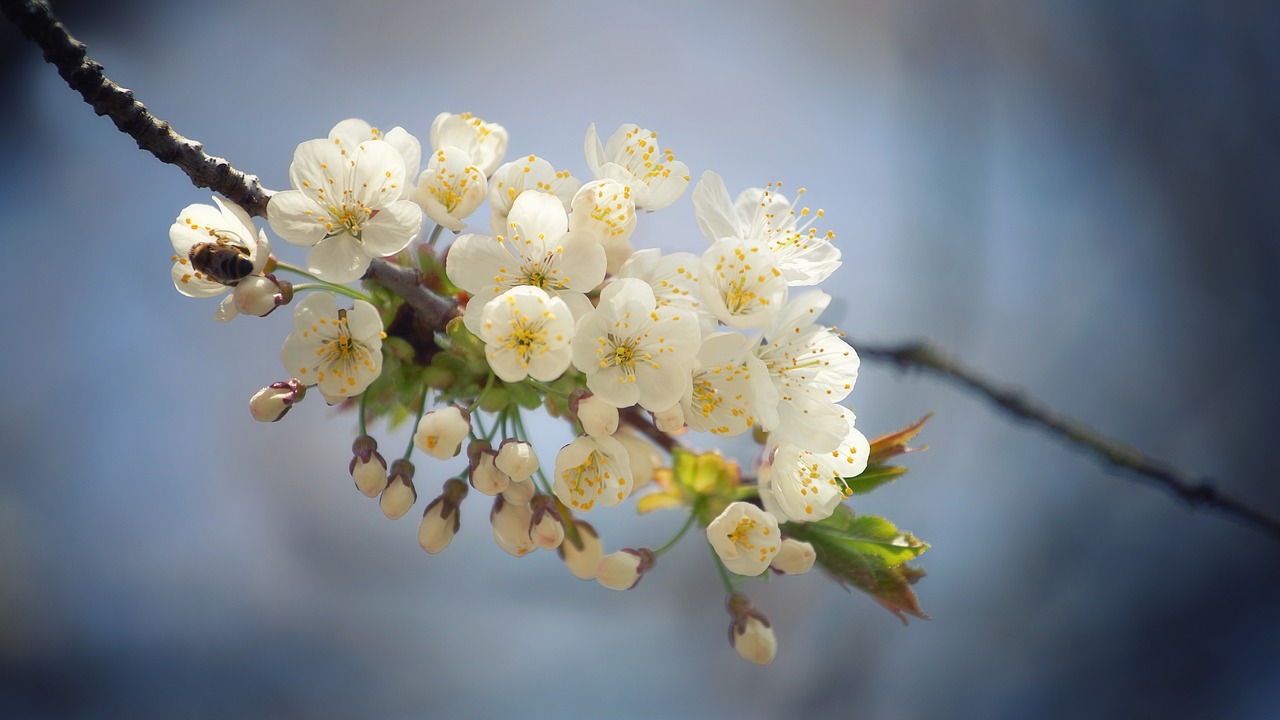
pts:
pixel 873 477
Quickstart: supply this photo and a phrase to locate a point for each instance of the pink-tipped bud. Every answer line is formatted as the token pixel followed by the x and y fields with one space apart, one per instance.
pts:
pixel 441 519
pixel 485 475
pixel 400 494
pixel 517 459
pixel 368 468
pixel 261 294
pixel 511 527
pixel 598 416
pixel 795 557
pixel 622 570
pixel 669 420
pixel 546 529
pixel 750 632
pixel 272 402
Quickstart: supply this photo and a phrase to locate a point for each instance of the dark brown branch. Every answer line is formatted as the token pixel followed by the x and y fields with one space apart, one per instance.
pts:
pixel 1196 491
pixel 636 418
pixel 37 23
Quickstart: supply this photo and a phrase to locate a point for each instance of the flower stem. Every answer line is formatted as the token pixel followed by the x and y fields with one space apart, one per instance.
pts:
pixel 295 269
pixel 688 523
pixel 364 399
pixel 725 579
pixel 422 409
pixel 340 289
pixel 435 235
pixel 488 384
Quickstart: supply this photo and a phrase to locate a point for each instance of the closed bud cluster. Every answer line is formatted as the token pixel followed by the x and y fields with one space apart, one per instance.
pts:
pixel 750 632
pixel 546 529
pixel 623 569
pixel 517 459
pixel 582 557
pixel 511 527
pixel 484 473
pixel 272 402
pixel 368 467
pixel 400 494
pixel 441 519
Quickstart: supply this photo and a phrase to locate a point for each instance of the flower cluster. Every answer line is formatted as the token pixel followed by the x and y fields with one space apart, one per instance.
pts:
pixel 555 308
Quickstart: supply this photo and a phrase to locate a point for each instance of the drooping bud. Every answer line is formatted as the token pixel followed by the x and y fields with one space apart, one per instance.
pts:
pixel 441 519
pixel 440 432
pixel 511 527
pixel 623 569
pixel 546 529
pixel 400 494
pixel 643 454
pixel 368 468
pixel 272 402
pixel 795 557
pixel 484 474
pixel 583 557
pixel 599 418
pixel 750 632
pixel 517 459
pixel 520 493
pixel 261 294
pixel 669 420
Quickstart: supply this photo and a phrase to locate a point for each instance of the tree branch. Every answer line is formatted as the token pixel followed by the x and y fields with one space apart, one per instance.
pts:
pixel 37 22
pixel 1198 492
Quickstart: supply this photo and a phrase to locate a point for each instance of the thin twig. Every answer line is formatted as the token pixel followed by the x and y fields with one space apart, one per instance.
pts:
pixel 636 418
pixel 1196 491
pixel 38 23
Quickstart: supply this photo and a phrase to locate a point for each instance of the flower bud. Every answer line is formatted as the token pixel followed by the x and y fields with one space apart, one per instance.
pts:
pixel 643 454
pixel 517 459
pixel 599 418
pixel 583 558
pixel 400 494
pixel 368 468
pixel 441 432
pixel 546 529
pixel 622 570
pixel 272 402
pixel 795 557
pixel 511 527
pixel 261 294
pixel 441 519
pixel 485 475
pixel 750 632
pixel 520 493
pixel 670 420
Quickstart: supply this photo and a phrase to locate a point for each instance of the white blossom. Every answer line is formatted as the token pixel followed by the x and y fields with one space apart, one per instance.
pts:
pixel 539 250
pixel 526 334
pixel 353 131
pixel 531 174
pixel 745 538
pixel 606 209
pixel 339 350
pixel 633 157
pixel 634 351
pixel 346 206
pixel 517 459
pixel 740 283
pixel 215 248
pixel 484 142
pixel 440 432
pixel 805 486
pixel 673 278
pixel 727 387
pixel 592 469
pixel 763 214
pixel 451 188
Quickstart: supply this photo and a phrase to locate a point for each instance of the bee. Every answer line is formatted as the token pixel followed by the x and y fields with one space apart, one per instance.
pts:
pixel 224 260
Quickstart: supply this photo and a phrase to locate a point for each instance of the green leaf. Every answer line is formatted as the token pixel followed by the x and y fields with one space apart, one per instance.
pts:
pixel 873 477
pixel 868 553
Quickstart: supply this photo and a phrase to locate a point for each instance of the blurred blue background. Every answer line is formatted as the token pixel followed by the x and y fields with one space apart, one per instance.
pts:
pixel 1079 198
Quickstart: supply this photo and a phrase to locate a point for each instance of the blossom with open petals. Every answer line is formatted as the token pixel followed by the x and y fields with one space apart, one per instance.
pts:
pixel 440 432
pixel 805 486
pixel 485 142
pixel 740 283
pixel 353 131
pixel 745 538
pixel 591 469
pixel 346 206
pixel 538 250
pixel 214 249
pixel 606 209
pixel 634 351
pixel 339 350
pixel 451 188
pixel 633 157
pixel 526 334
pixel 529 174
pixel 766 215
pixel 727 387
